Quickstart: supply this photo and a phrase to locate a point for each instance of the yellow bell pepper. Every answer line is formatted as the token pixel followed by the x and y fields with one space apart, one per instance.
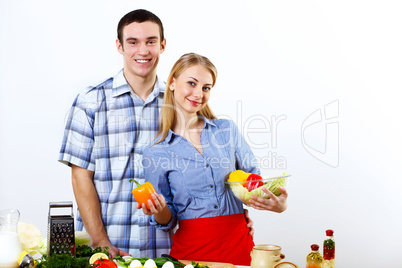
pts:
pixel 238 175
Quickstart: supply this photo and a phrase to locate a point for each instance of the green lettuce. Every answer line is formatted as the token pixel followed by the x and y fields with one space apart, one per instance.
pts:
pixel 30 236
pixel 244 195
pixel 33 242
pixel 82 238
pixel 42 246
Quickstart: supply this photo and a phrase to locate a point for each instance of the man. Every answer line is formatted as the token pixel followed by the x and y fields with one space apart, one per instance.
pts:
pixel 107 127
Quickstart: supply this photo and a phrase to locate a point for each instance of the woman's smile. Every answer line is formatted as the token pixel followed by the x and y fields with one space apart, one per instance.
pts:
pixel 195 103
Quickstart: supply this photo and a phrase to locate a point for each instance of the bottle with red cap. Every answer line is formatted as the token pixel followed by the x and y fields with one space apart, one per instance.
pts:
pixel 314 259
pixel 329 250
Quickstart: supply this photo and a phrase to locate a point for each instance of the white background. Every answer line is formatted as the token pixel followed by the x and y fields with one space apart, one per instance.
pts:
pixel 276 59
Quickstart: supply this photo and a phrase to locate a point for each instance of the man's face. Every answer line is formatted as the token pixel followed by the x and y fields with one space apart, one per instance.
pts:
pixel 141 49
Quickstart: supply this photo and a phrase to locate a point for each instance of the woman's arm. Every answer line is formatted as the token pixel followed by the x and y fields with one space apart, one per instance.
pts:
pixel 157 175
pixel 245 161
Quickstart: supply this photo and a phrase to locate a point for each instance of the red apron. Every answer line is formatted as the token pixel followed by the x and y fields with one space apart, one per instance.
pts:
pixel 216 239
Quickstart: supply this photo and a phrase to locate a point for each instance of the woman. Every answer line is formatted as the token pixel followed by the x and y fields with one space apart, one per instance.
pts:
pixel 188 166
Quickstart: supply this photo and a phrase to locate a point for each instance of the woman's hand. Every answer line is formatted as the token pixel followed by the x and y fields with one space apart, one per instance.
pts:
pixel 160 204
pixel 160 210
pixel 274 203
pixel 250 223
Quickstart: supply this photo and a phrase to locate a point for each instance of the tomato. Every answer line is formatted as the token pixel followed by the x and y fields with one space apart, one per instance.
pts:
pixel 103 263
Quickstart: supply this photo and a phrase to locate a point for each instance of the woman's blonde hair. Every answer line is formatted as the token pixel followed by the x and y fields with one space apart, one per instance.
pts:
pixel 168 111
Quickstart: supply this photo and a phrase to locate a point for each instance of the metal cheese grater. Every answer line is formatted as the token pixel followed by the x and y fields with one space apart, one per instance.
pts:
pixel 60 229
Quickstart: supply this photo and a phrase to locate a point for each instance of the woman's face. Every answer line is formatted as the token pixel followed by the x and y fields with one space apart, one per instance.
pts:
pixel 191 90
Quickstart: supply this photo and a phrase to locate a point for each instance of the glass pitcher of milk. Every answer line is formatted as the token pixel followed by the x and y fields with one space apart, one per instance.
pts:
pixel 10 246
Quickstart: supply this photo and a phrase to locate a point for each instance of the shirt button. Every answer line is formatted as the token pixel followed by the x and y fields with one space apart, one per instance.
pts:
pixel 211 186
pixel 215 206
pixel 207 165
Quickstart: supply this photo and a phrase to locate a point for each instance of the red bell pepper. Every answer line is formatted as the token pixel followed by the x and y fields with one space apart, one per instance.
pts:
pixel 252 185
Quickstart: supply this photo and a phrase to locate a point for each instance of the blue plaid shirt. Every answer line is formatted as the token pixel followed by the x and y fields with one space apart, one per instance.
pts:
pixel 107 128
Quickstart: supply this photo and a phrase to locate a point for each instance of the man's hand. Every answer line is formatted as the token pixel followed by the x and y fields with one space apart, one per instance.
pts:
pixel 113 251
pixel 274 203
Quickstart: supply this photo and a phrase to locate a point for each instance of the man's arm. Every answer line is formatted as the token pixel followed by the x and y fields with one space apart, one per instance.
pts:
pixel 89 206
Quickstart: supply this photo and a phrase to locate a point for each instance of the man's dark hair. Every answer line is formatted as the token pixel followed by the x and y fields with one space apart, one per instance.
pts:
pixel 139 15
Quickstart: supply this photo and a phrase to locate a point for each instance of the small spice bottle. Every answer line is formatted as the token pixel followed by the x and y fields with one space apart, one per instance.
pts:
pixel 314 258
pixel 329 250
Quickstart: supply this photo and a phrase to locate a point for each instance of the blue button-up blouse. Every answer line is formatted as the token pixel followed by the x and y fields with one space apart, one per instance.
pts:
pixel 194 184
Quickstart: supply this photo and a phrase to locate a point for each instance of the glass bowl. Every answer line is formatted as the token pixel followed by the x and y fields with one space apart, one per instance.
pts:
pixel 271 183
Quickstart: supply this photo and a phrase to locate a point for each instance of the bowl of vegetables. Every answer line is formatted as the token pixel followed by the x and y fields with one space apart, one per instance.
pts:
pixel 244 185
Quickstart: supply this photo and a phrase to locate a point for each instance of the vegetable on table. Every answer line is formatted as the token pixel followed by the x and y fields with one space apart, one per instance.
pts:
pixel 82 238
pixel 30 237
pixel 86 252
pixel 33 242
pixel 143 193
pixel 98 256
pixel 83 254
pixel 133 262
pixel 104 263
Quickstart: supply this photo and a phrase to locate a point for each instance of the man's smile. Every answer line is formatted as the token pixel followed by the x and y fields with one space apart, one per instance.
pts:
pixel 143 61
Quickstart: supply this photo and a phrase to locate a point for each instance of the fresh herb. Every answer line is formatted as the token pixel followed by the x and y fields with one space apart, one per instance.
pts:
pixel 83 253
pixel 62 261
pixel 198 265
pixel 87 251
pixel 162 260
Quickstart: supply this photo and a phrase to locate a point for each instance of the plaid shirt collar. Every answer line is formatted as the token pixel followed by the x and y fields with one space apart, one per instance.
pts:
pixel 121 86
